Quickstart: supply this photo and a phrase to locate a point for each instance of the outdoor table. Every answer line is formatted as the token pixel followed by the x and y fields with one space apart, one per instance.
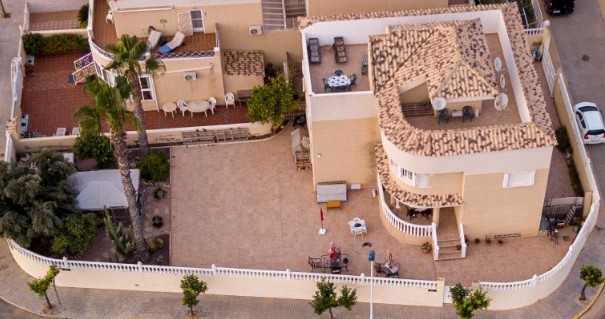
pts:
pixel 244 96
pixel 339 81
pixel 337 263
pixel 198 106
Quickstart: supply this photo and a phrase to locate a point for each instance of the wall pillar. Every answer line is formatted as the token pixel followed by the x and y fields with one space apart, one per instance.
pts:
pixel 436 216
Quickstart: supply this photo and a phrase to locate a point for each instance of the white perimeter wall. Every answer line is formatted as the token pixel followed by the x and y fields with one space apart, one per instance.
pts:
pixel 228 281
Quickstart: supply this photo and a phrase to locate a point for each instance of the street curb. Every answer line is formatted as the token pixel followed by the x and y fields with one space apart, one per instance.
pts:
pixel 594 298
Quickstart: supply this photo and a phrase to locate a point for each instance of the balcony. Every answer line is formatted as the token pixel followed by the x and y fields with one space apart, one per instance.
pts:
pixel 328 65
pixel 199 44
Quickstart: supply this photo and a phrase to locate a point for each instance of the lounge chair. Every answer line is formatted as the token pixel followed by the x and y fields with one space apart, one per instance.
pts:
pixel 173 44
pixel 339 50
pixel 153 39
pixel 314 53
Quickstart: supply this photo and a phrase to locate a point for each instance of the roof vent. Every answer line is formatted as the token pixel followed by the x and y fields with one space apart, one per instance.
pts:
pixel 501 101
pixel 255 30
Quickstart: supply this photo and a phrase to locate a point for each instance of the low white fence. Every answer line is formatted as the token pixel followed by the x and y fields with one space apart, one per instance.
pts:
pixel 227 281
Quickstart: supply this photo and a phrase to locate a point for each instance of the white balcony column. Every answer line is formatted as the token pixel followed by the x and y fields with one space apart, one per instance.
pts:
pixel 436 216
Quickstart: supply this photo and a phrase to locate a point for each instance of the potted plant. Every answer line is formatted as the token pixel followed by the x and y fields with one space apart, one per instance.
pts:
pixel 159 193
pixel 458 247
pixel 157 221
pixel 500 241
pixel 488 240
pixel 477 241
pixel 426 247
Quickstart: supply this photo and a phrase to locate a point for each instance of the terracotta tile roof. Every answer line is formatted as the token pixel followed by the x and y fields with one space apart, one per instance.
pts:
pixel 452 56
pixel 407 197
pixel 242 62
pixel 537 133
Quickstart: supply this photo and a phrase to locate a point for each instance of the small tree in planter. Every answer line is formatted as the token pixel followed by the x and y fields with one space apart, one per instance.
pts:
pixel 192 287
pixel 592 277
pixel 325 298
pixel 426 247
pixel 466 301
pixel 271 103
pixel 40 286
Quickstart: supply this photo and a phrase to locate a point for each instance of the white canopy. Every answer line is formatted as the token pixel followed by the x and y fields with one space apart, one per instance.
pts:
pixel 99 189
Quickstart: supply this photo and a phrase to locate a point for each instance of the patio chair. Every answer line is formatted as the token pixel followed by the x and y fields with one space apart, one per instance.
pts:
pixel 76 130
pixel 61 131
pixel 326 86
pixel 339 50
pixel 353 79
pixel 315 263
pixel 229 99
pixel 338 72
pixel 444 116
pixel 212 102
pixel 314 52
pixel 182 105
pixel 173 44
pixel 153 39
pixel 467 113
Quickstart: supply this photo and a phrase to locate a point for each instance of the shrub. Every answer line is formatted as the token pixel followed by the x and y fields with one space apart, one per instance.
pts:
pixel 156 244
pixel 33 43
pixel 97 147
pixel 271 103
pixel 76 234
pixel 83 16
pixel 64 43
pixel 154 166
pixel 157 221
pixel 563 142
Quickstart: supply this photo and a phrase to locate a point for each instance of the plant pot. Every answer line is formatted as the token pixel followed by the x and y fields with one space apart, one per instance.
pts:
pixel 458 247
pixel 159 193
pixel 500 241
pixel 157 221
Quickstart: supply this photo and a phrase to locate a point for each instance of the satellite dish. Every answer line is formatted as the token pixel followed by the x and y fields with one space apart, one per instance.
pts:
pixel 502 81
pixel 501 101
pixel 438 103
pixel 498 64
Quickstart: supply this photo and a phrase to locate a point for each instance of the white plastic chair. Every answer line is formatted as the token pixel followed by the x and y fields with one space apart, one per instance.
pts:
pixel 212 102
pixel 182 105
pixel 229 99
pixel 75 131
pixel 61 131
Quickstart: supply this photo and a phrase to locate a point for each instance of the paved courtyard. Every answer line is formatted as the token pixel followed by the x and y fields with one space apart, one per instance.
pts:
pixel 246 206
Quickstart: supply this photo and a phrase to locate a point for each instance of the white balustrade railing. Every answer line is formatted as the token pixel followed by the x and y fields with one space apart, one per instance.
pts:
pixel 462 241
pixel 533 32
pixel 16 79
pixel 549 70
pixel 398 223
pixel 435 241
pixel 26 18
pixel 72 265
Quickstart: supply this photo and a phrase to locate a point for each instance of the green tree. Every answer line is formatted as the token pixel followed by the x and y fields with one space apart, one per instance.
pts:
pixel 33 201
pixel 128 53
pixel 109 104
pixel 40 285
pixel 271 103
pixel 78 231
pixel 192 286
pixel 466 301
pixel 592 277
pixel 325 298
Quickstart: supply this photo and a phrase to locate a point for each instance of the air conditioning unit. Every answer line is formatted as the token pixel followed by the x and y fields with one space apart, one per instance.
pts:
pixel 189 76
pixel 255 30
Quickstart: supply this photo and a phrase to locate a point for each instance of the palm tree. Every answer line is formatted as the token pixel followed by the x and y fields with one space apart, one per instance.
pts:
pixel 128 52
pixel 109 105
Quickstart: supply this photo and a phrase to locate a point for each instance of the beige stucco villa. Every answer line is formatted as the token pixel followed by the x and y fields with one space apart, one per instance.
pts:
pixel 485 170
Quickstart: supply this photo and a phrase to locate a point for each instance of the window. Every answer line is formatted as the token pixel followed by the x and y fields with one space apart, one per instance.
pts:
pixel 395 168
pixel 146 87
pixel 407 175
pixel 197 20
pixel 518 179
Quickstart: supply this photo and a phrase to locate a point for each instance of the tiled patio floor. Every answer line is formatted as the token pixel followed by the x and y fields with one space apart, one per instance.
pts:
pixel 51 101
pixel 246 206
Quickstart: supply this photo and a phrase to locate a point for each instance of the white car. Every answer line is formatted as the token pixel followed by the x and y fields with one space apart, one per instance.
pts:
pixel 590 122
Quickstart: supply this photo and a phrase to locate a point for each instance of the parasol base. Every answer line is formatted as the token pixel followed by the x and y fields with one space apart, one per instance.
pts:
pixel 322 231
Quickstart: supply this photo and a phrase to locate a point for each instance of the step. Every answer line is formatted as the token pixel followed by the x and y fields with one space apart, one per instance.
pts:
pixel 449 256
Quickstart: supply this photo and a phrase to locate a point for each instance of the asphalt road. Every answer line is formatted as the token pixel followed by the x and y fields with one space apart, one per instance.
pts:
pixel 580 39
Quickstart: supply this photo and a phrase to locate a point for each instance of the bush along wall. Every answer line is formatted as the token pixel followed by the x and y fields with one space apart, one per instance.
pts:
pixel 36 44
